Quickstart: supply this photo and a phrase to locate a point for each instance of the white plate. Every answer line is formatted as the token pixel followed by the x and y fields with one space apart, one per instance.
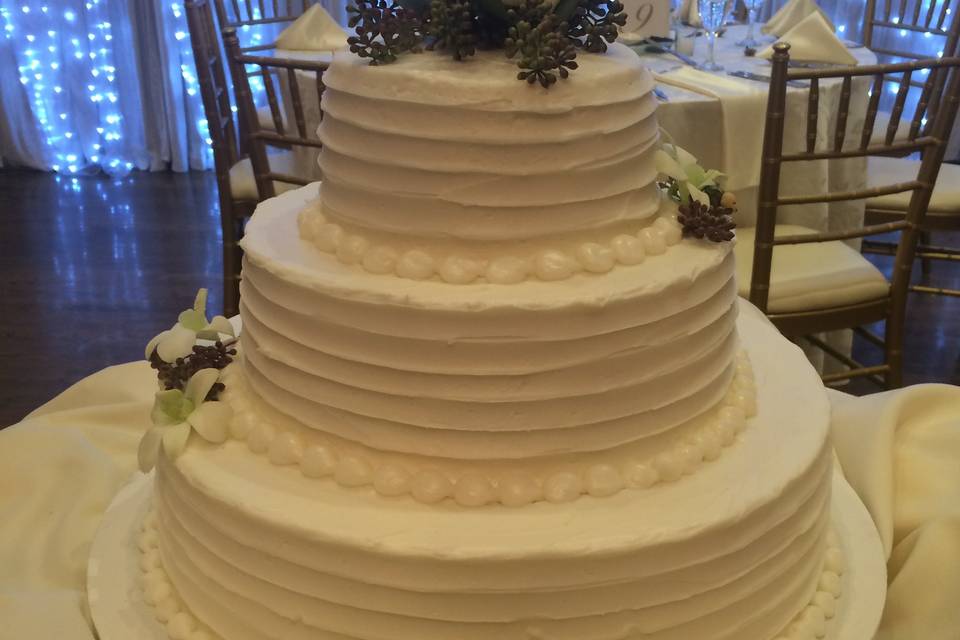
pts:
pixel 120 613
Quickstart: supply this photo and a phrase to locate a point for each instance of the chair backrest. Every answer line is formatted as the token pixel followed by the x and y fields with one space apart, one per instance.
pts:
pixel 214 90
pixel 293 76
pixel 235 14
pixel 935 17
pixel 932 144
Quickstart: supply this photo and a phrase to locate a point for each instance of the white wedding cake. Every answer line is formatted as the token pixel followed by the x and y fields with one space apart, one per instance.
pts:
pixel 488 389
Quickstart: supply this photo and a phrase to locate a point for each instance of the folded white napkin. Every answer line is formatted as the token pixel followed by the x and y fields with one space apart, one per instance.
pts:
pixel 689 13
pixel 790 16
pixel 315 30
pixel 813 40
pixel 743 105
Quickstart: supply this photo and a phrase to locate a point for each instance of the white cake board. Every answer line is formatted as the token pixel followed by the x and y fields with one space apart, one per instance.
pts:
pixel 120 613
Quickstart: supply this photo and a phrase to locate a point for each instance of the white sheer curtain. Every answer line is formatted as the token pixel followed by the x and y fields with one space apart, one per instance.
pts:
pixel 91 84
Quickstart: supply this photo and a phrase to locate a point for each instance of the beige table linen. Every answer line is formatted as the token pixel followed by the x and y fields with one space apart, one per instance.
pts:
pixel 61 466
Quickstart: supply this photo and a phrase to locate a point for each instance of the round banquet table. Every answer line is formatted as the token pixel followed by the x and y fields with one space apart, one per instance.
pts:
pixel 62 465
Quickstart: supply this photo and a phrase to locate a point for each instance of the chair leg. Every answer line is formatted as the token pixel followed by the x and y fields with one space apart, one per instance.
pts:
pixel 230 230
pixel 893 351
pixel 926 265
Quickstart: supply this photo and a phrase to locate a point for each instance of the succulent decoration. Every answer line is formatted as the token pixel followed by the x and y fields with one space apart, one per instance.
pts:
pixel 190 383
pixel 705 210
pixel 542 36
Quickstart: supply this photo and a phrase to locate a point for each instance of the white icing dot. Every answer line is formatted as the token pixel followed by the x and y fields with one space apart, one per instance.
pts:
pixel 318 461
pixel 653 241
pixel 814 618
pixel 150 560
pixel 260 437
pixel 833 561
pixel 830 582
pixel 595 258
pixel 415 264
pixel 745 400
pixel 826 602
pixel 518 489
pixel 460 270
pixel 167 608
pixel 507 270
pixel 641 476
pixel 157 592
pixel 628 249
pixel 726 431
pixel 735 417
pixel 430 486
pixel 603 480
pixel 351 249
pixel 303 225
pixel 316 223
pixel 181 626
pixel 242 424
pixel 690 456
pixel 391 480
pixel 286 448
pixel 380 260
pixel 555 265
pixel 563 487
pixel 473 490
pixel 668 466
pixel 328 237
pixel 744 383
pixel 708 440
pixel 353 472
pixel 672 231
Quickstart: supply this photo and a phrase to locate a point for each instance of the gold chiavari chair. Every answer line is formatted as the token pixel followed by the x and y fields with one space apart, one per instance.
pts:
pixel 814 282
pixel 270 175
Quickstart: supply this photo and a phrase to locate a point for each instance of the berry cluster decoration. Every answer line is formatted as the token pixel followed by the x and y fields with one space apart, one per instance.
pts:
pixel 712 222
pixel 543 37
pixel 176 374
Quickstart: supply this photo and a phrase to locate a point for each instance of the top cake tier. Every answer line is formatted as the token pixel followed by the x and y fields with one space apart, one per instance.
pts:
pixel 464 155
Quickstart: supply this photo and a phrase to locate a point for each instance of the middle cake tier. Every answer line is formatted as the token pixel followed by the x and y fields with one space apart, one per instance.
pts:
pixel 605 381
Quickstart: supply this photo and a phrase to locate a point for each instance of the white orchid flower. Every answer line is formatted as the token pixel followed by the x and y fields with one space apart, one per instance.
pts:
pixel 178 341
pixel 691 179
pixel 176 413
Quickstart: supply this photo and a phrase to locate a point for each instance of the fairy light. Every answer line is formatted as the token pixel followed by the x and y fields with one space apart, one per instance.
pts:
pixel 54 46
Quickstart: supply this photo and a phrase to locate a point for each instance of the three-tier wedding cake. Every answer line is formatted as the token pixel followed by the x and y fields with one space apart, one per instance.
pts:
pixel 489 387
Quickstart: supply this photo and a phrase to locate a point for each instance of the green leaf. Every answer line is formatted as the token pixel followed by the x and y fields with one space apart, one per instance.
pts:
pixel 192 319
pixel 695 174
pixel 200 304
pixel 168 407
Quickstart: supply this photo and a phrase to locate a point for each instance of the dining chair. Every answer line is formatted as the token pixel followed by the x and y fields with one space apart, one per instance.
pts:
pixel 236 185
pixel 249 14
pixel 814 282
pixel 271 173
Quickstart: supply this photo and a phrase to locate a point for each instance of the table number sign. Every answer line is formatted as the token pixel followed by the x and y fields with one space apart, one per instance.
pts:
pixel 646 18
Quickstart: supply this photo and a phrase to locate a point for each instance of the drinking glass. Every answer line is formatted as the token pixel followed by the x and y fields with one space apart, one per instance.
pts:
pixel 753 6
pixel 712 14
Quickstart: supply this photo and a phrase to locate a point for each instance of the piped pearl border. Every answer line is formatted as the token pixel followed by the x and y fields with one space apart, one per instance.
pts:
pixel 549 264
pixel 320 458
pixel 181 624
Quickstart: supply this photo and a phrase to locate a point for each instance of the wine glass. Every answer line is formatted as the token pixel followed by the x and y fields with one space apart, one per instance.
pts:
pixel 753 6
pixel 712 14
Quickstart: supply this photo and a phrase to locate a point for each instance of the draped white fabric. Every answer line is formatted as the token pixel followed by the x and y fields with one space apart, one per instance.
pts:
pixel 86 84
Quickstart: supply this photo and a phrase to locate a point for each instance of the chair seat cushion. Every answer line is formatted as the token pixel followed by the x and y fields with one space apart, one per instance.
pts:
pixel 886 171
pixel 243 186
pixel 881 123
pixel 265 119
pixel 813 276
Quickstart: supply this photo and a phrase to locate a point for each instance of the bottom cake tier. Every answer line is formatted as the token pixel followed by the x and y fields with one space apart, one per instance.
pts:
pixel 241 549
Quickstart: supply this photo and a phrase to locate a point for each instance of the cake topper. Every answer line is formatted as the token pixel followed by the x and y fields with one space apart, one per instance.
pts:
pixel 190 383
pixel 705 209
pixel 542 36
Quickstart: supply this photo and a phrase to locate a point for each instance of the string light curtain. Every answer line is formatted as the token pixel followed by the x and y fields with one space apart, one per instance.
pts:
pixel 91 84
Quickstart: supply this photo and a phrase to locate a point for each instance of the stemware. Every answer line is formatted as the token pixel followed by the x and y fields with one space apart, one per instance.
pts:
pixel 753 7
pixel 712 14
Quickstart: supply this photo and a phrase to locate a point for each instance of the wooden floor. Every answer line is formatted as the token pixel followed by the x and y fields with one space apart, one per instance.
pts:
pixel 92 268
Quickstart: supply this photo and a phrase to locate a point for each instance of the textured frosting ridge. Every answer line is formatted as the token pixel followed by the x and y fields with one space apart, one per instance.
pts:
pixel 440 153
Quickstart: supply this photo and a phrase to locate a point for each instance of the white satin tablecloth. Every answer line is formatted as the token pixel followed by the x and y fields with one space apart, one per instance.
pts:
pixel 61 466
